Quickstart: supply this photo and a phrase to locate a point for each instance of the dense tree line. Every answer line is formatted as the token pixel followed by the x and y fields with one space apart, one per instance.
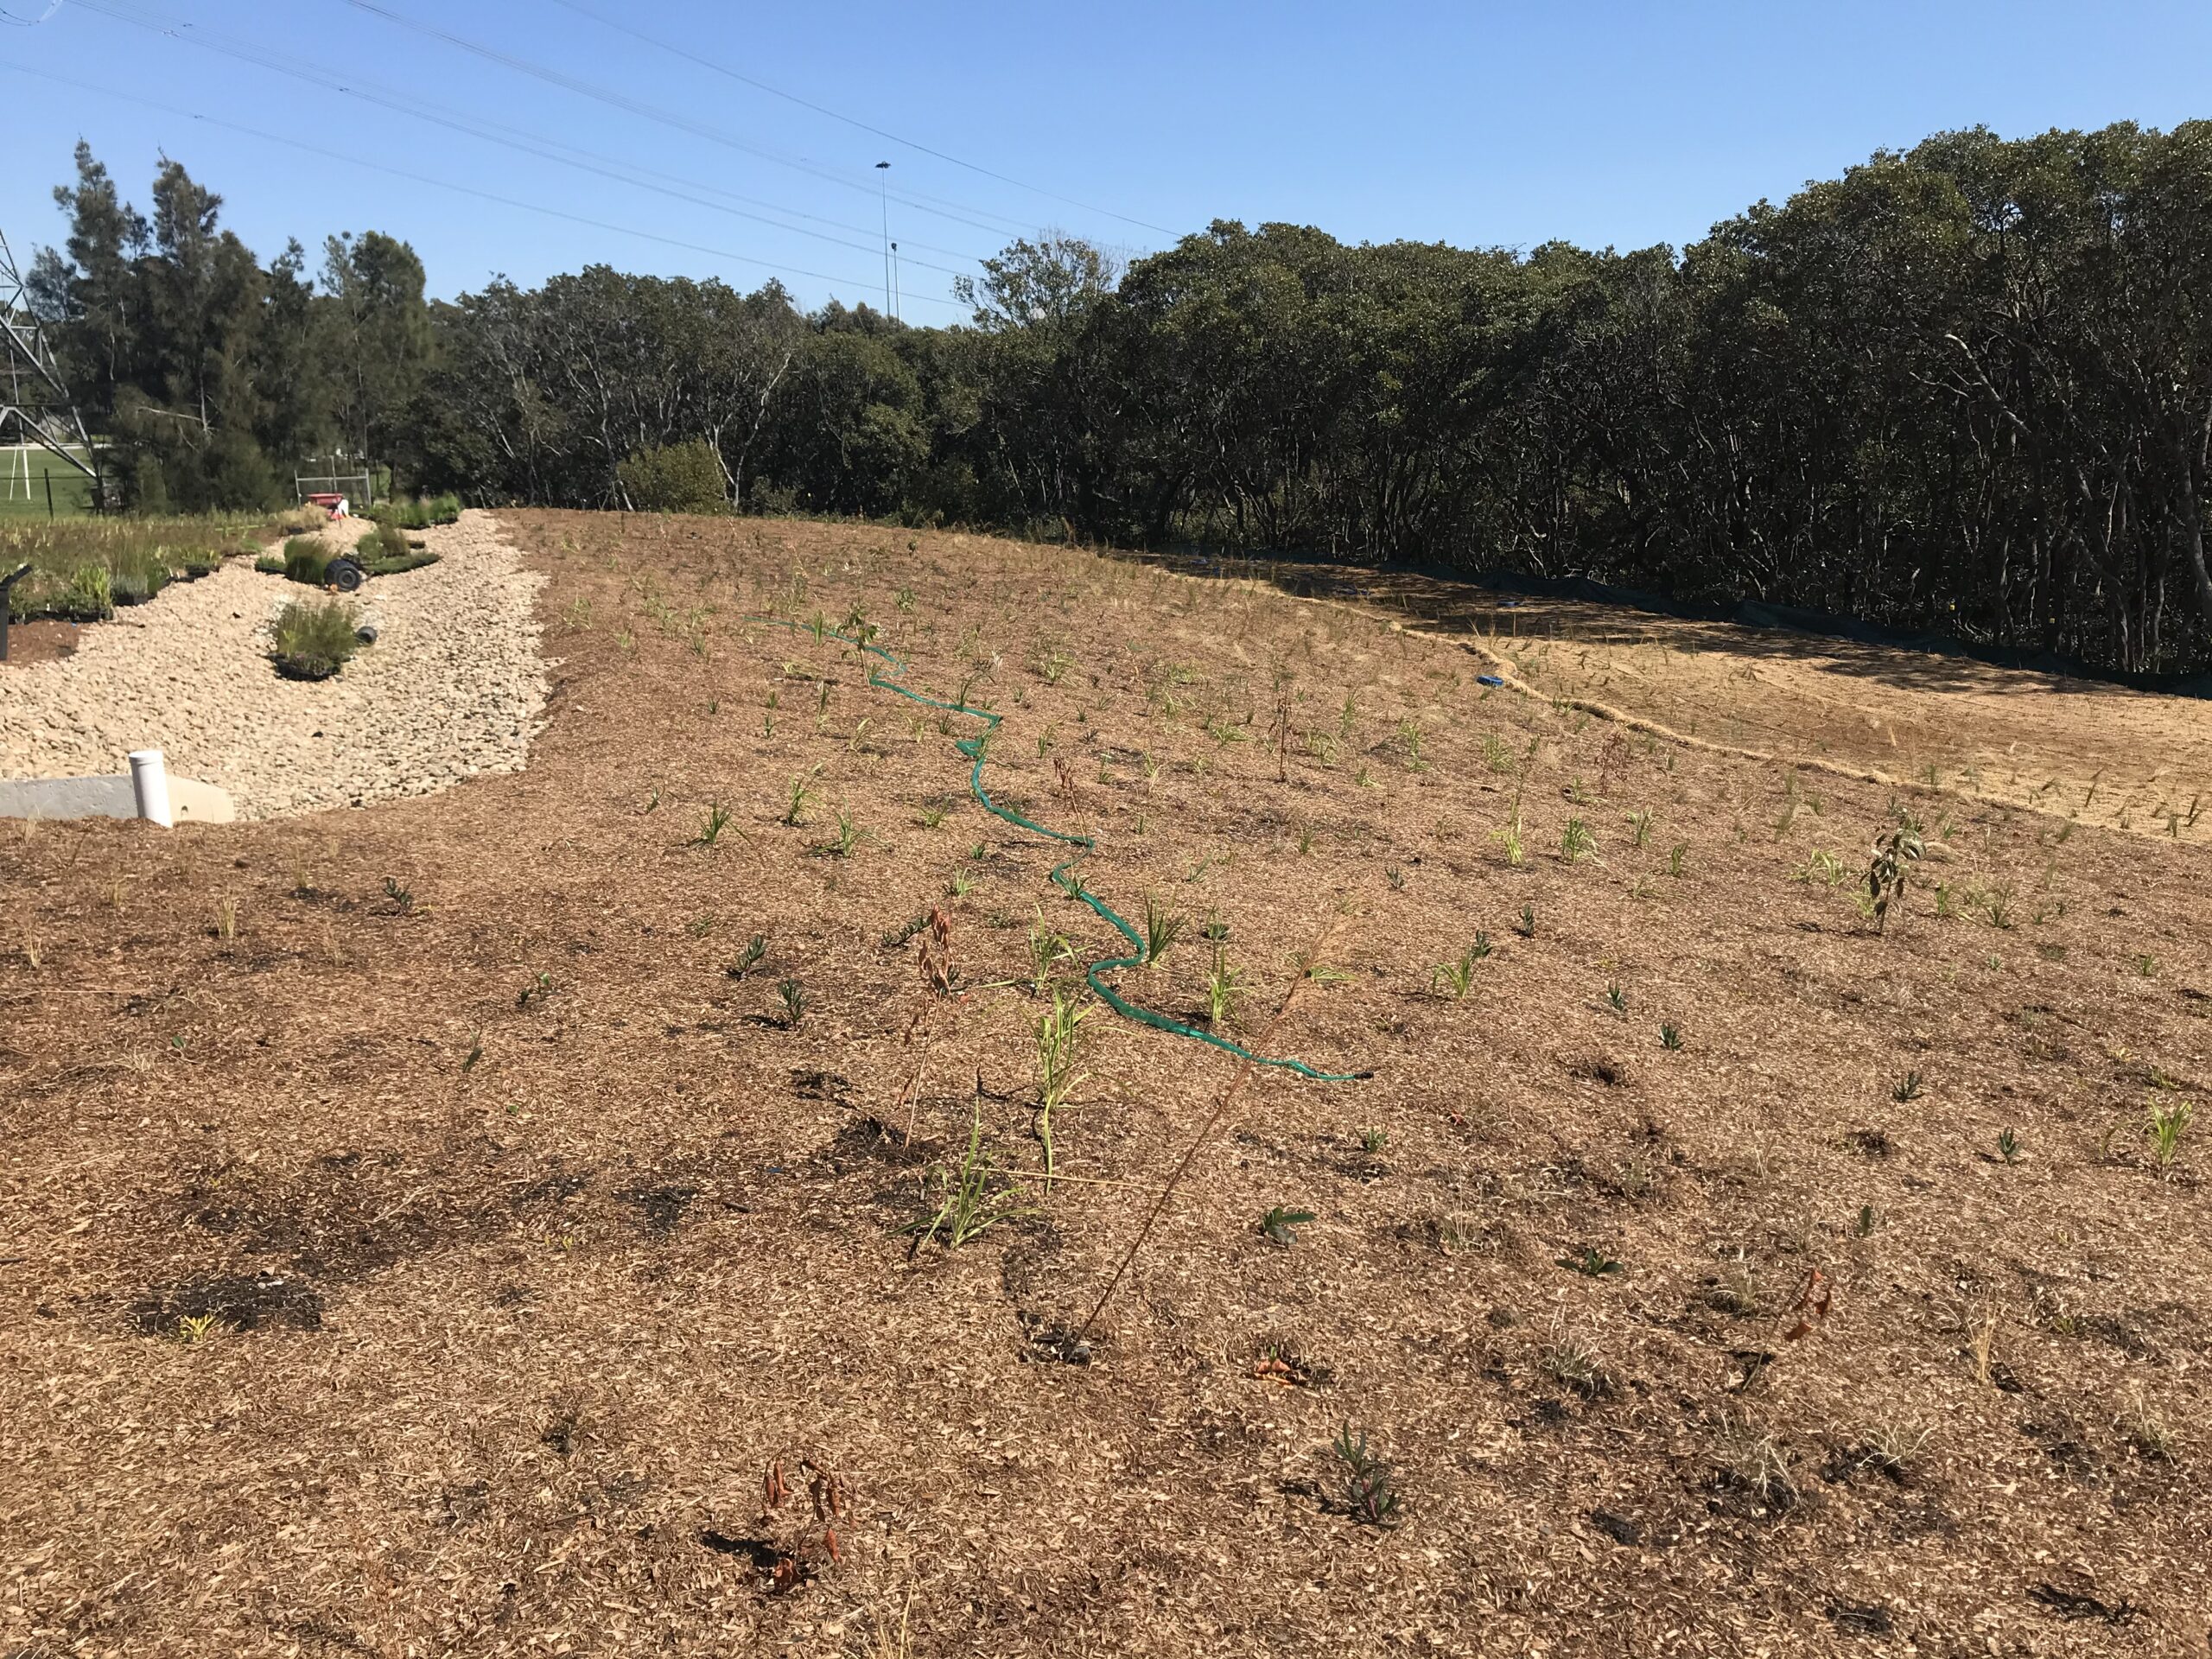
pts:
pixel 1966 387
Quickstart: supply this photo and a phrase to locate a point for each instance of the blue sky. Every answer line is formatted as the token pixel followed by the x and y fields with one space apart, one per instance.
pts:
pixel 1477 124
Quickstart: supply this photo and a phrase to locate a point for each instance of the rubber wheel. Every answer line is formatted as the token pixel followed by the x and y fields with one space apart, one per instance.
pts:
pixel 345 575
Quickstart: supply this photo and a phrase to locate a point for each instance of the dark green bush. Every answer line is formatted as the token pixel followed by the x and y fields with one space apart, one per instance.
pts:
pixel 678 478
pixel 306 560
pixel 312 641
pixel 418 514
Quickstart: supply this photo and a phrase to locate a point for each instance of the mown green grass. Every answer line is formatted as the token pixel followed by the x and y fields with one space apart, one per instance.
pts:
pixel 72 489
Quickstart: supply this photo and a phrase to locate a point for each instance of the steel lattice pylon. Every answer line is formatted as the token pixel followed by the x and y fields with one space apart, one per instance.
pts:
pixel 34 405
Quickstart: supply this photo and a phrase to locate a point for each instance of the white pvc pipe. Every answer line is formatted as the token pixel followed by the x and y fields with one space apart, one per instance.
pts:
pixel 149 786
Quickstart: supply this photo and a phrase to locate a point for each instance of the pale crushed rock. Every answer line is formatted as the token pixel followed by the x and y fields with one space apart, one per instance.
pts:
pixel 453 686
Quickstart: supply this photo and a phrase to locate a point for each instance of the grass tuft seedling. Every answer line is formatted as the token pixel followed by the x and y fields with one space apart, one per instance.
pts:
pixel 1670 1036
pixel 973 1200
pixel 1161 930
pixel 1616 998
pixel 1577 841
pixel 2008 1146
pixel 1059 1032
pixel 710 830
pixel 1280 1224
pixel 800 796
pixel 1907 1088
pixel 1526 927
pixel 1224 988
pixel 755 948
pixel 2168 1122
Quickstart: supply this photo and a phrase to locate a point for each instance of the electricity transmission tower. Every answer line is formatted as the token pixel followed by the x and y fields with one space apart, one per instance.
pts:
pixel 35 407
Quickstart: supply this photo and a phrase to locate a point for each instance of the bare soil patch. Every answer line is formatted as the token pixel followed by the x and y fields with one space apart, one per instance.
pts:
pixel 42 641
pixel 423 1228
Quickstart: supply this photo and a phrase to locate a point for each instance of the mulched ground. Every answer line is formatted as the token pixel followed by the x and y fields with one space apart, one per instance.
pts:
pixel 417 1239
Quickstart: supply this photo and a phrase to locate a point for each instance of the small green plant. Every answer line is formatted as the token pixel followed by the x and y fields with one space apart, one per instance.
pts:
pixel 1670 1036
pixel 1896 851
pixel 1058 1030
pixel 973 1200
pixel 2168 1122
pixel 1395 875
pixel 1371 1493
pixel 1907 1087
pixel 794 999
pixel 930 814
pixel 1280 1224
pixel 193 1329
pixel 1675 856
pixel 476 1055
pixel 1161 930
pixel 749 958
pixel 711 828
pixel 1869 1221
pixel 848 836
pixel 1047 950
pixel 1590 1261
pixel 1640 824
pixel 1616 998
pixel 2008 1146
pixel 1373 1140
pixel 1224 989
pixel 402 898
pixel 1526 927
pixel 800 796
pixel 313 641
pixel 1577 841
pixel 1456 979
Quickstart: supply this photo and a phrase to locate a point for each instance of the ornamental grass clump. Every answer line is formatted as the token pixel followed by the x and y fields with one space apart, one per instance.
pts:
pixel 313 641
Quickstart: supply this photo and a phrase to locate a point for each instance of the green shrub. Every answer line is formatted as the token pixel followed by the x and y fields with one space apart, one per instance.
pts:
pixel 313 641
pixel 385 551
pixel 418 514
pixel 271 565
pixel 306 560
pixel 677 478
pixel 136 586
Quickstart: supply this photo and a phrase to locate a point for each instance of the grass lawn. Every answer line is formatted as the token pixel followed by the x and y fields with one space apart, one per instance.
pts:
pixel 24 474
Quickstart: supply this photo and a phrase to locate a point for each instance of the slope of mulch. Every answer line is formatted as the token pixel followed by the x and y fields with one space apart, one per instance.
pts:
pixel 415 1238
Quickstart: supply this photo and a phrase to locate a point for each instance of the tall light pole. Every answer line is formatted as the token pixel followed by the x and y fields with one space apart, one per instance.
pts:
pixel 883 192
pixel 897 293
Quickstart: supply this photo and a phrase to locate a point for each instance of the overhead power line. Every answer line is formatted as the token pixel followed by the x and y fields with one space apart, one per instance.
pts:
pixel 980 218
pixel 850 284
pixel 499 133
pixel 621 27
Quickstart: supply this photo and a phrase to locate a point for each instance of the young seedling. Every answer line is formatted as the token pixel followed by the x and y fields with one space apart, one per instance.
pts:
pixel 1370 1492
pixel 1526 927
pixel 1896 850
pixel 1224 988
pixel 1280 1225
pixel 755 948
pixel 710 830
pixel 1616 998
pixel 1047 950
pixel 1395 875
pixel 801 795
pixel 794 999
pixel 848 836
pixel 1057 1033
pixel 2008 1146
pixel 1161 930
pixel 1907 1088
pixel 1640 822
pixel 973 1202
pixel 2169 1122
pixel 1670 1036
pixel 402 898
pixel 1455 979
pixel 1590 1261
pixel 1373 1140
pixel 1577 841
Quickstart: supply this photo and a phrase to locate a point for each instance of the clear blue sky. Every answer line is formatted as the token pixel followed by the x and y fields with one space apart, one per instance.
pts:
pixel 1471 123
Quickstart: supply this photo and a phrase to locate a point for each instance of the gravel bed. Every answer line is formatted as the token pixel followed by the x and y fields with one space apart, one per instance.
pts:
pixel 453 686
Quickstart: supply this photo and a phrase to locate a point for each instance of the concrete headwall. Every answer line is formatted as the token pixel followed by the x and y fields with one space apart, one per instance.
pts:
pixel 110 796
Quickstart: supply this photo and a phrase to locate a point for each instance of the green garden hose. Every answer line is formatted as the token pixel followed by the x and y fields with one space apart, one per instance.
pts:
pixel 1064 874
